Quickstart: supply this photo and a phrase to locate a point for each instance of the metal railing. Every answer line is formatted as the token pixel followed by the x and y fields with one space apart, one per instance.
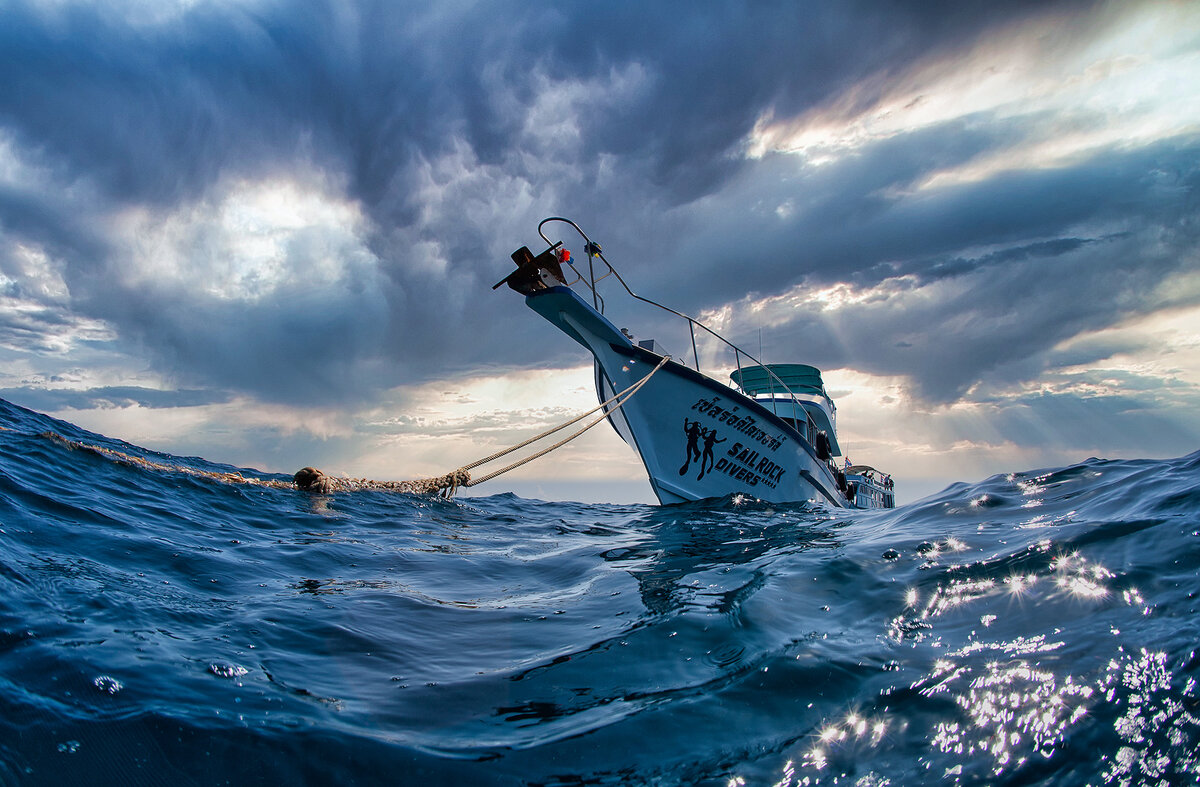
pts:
pixel 594 252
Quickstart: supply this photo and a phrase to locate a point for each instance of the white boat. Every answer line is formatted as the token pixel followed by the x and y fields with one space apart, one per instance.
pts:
pixel 867 487
pixel 771 435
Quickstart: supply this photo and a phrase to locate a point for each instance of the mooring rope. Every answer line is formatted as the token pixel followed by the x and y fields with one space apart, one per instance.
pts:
pixel 623 397
pixel 310 479
pixel 138 461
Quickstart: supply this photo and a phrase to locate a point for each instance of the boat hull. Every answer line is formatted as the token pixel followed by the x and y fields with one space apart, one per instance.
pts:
pixel 696 437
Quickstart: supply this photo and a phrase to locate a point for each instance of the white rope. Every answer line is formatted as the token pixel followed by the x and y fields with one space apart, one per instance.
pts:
pixel 623 397
pixel 506 451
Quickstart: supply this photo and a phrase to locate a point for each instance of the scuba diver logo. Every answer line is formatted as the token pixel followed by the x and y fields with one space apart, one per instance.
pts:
pixel 697 435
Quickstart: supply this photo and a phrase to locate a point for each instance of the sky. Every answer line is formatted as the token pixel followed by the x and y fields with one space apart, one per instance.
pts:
pixel 265 232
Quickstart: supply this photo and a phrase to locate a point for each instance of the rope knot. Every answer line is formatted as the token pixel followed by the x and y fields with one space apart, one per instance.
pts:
pixel 460 477
pixel 310 479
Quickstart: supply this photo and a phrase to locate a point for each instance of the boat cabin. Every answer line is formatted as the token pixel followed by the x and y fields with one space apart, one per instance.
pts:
pixel 867 487
pixel 780 387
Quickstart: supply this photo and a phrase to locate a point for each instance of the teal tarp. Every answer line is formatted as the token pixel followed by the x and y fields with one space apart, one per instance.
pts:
pixel 798 377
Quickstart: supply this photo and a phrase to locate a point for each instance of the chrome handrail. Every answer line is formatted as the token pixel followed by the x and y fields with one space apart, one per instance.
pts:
pixel 594 251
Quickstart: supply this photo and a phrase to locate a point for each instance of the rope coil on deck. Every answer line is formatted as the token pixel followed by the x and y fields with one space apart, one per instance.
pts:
pixel 309 479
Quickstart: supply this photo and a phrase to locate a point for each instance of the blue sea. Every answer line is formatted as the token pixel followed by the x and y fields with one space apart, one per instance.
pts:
pixel 158 627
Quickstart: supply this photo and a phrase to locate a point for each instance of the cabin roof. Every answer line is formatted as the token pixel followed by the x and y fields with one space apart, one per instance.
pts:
pixel 798 377
pixel 862 470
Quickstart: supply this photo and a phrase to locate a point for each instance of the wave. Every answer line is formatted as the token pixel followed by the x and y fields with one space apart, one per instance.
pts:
pixel 161 626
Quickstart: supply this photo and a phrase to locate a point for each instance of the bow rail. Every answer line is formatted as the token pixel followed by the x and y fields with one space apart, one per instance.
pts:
pixel 594 252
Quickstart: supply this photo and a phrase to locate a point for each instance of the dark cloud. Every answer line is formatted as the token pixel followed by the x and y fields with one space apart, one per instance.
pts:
pixel 33 329
pixel 1033 281
pixel 1130 415
pixel 850 217
pixel 56 399
pixel 454 127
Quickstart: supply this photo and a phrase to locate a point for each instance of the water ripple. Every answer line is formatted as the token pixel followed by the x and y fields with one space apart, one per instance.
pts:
pixel 1034 627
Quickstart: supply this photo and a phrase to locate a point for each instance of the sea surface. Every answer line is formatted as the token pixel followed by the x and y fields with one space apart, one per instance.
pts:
pixel 158 627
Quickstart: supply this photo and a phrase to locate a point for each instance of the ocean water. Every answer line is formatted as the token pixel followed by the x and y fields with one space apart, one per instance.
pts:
pixel 164 628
